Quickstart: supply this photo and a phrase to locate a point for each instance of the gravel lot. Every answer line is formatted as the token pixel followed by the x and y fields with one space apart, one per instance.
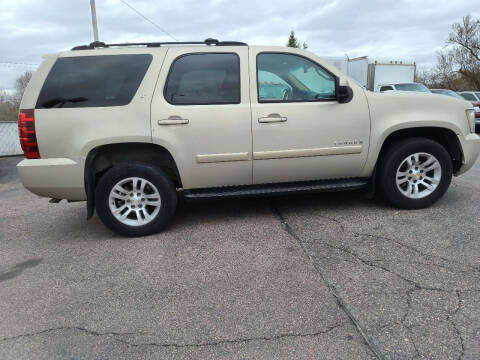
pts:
pixel 330 276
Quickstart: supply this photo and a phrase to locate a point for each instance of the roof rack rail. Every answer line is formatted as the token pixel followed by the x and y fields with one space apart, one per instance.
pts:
pixel 208 42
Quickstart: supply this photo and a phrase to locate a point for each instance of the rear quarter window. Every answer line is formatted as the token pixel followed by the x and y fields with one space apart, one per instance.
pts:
pixel 93 81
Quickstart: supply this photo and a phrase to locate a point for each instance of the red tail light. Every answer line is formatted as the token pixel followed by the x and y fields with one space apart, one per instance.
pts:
pixel 26 131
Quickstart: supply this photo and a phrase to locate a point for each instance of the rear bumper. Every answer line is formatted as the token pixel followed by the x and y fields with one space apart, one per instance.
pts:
pixel 58 178
pixel 471 150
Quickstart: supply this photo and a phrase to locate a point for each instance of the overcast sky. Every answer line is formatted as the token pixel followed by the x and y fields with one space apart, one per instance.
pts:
pixel 387 29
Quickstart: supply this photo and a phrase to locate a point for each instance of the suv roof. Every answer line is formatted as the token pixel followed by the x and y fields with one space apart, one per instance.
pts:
pixel 208 42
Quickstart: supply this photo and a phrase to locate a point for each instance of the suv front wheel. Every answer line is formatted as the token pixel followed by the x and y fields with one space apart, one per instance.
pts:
pixel 414 173
pixel 135 199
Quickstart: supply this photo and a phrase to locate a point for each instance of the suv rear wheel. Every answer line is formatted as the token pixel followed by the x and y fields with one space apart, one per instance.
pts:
pixel 135 199
pixel 414 173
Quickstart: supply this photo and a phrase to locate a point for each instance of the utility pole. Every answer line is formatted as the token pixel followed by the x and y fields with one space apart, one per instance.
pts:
pixel 94 20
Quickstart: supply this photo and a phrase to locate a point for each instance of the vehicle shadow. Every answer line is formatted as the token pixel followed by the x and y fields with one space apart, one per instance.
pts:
pixel 216 210
pixel 210 212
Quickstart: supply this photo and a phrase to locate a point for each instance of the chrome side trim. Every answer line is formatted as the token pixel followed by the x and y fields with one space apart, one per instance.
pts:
pixel 213 158
pixel 284 154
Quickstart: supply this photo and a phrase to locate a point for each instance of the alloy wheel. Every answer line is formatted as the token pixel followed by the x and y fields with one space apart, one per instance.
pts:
pixel 134 201
pixel 418 175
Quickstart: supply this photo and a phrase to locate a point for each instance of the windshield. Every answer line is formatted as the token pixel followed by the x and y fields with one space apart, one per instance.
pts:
pixel 448 93
pixel 468 97
pixel 412 87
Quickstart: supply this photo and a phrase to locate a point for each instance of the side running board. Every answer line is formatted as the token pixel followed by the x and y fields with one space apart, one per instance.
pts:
pixel 277 189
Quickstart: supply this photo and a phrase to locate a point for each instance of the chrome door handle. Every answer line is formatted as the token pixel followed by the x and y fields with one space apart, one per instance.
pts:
pixel 173 120
pixel 272 118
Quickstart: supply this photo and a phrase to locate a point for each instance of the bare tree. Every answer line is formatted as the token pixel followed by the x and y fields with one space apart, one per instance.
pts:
pixel 9 103
pixel 444 74
pixel 464 52
pixel 458 64
pixel 4 96
pixel 20 86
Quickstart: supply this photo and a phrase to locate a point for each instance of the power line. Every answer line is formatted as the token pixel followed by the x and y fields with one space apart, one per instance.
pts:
pixel 150 21
pixel 11 63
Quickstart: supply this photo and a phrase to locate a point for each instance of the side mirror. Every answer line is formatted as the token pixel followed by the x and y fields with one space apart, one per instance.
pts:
pixel 344 91
pixel 344 94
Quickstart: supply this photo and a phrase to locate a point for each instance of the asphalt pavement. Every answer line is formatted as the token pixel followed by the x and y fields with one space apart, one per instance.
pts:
pixel 325 276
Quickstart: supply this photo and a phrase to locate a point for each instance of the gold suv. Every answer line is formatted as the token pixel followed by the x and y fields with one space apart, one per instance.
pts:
pixel 131 127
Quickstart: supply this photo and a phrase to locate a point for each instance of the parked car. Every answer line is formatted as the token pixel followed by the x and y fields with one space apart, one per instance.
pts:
pixel 470 95
pixel 403 87
pixel 447 92
pixel 130 128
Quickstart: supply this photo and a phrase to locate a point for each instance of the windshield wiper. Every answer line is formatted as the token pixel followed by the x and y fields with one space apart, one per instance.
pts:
pixel 60 101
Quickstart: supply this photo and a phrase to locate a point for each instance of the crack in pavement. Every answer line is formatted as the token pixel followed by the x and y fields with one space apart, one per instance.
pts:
pixel 452 321
pixel 410 247
pixel 235 341
pixel 409 292
pixel 373 264
pixel 416 286
pixel 61 328
pixel 409 306
pixel 451 268
pixel 344 230
pixel 175 345
pixel 331 287
pixel 414 249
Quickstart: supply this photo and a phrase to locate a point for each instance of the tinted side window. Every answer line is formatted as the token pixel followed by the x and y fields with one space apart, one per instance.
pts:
pixel 386 88
pixel 93 81
pixel 200 79
pixel 286 77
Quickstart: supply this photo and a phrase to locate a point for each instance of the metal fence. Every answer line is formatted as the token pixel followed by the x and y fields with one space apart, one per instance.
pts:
pixel 9 143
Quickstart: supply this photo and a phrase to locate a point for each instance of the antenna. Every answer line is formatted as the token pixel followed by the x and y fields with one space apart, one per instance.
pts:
pixel 94 20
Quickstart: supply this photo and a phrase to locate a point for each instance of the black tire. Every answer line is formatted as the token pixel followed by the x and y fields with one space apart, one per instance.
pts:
pixel 391 160
pixel 148 172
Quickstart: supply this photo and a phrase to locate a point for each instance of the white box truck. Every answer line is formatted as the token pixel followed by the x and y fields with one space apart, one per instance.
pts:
pixel 371 73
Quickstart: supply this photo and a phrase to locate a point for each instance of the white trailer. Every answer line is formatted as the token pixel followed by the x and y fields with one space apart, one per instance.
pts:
pixel 340 62
pixel 358 70
pixel 371 73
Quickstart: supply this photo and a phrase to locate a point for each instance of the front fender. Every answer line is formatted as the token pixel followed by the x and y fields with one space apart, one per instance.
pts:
pixel 394 111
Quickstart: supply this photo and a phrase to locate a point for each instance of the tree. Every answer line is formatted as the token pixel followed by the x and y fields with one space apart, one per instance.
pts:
pixel 458 64
pixel 9 103
pixel 293 42
pixel 20 86
pixel 464 51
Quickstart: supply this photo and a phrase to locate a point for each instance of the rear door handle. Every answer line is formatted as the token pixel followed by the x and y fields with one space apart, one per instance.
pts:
pixel 173 120
pixel 272 118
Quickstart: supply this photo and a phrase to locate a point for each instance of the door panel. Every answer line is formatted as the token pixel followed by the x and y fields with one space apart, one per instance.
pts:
pixel 295 136
pixel 211 143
